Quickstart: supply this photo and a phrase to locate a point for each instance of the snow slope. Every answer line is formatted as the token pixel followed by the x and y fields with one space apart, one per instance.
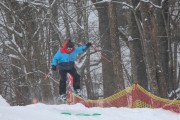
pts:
pixel 54 112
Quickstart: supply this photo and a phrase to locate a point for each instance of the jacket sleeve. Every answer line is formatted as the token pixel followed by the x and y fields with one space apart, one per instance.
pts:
pixel 81 49
pixel 55 58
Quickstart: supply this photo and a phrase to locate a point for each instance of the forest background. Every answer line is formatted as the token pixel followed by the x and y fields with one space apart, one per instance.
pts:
pixel 134 41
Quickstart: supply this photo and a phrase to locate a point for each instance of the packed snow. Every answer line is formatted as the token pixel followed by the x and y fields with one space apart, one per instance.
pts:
pixel 78 111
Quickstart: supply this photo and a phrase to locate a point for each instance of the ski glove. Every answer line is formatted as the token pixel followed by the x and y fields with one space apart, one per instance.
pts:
pixel 53 67
pixel 88 44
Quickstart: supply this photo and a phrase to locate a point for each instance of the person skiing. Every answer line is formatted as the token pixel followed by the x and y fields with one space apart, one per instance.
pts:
pixel 65 58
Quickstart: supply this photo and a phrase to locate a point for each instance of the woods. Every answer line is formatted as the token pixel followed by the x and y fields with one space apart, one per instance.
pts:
pixel 135 41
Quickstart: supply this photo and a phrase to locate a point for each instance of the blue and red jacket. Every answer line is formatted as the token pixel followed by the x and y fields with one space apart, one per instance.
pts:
pixel 65 58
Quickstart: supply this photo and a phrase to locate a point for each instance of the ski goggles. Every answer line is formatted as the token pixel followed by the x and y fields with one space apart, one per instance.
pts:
pixel 69 48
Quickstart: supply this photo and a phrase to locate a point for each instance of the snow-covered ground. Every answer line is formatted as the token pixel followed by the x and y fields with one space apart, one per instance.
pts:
pixel 54 112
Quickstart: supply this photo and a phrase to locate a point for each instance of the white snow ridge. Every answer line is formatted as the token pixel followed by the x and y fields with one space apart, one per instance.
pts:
pixel 80 112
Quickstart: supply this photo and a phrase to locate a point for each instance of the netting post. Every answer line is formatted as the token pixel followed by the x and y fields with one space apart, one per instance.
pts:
pixel 134 92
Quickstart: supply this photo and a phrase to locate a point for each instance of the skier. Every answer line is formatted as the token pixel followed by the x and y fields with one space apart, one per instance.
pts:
pixel 65 58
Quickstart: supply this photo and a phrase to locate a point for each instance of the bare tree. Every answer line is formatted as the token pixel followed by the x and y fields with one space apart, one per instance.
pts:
pixel 114 38
pixel 107 67
pixel 137 59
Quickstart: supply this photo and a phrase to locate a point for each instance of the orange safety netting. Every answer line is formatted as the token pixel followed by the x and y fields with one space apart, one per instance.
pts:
pixel 134 97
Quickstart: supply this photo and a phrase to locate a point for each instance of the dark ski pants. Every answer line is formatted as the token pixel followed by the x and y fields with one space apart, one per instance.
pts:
pixel 76 78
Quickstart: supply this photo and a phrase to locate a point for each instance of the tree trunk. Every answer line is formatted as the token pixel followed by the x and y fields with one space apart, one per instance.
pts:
pixel 138 67
pixel 149 42
pixel 66 20
pixel 88 81
pixel 162 44
pixel 107 67
pixel 114 37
